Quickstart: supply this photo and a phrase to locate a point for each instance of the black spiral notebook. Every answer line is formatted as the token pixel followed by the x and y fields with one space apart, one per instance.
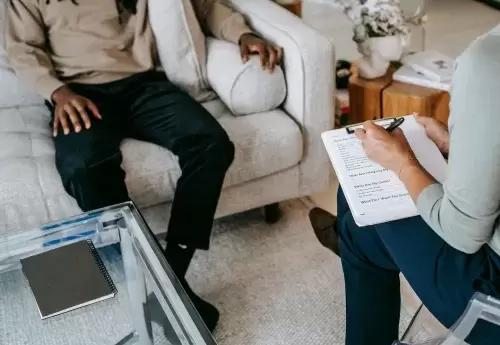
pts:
pixel 67 278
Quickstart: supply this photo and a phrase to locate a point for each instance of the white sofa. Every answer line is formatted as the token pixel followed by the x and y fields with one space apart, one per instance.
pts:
pixel 279 154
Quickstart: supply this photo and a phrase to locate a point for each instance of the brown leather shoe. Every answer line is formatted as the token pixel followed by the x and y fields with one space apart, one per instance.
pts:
pixel 324 225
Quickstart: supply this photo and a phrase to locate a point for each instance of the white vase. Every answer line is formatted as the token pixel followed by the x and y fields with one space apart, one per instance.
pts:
pixel 378 52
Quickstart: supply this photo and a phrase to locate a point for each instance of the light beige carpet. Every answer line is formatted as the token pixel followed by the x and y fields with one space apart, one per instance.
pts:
pixel 274 284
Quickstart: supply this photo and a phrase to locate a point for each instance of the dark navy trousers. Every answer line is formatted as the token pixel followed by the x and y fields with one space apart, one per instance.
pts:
pixel 444 278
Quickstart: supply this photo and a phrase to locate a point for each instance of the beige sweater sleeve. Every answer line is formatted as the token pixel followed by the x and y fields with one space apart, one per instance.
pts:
pixel 220 21
pixel 25 43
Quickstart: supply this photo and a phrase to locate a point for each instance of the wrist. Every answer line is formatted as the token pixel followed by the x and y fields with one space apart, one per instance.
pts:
pixel 405 159
pixel 446 145
pixel 59 92
pixel 245 36
pixel 409 169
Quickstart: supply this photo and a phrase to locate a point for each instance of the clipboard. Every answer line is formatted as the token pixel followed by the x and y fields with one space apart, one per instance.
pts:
pixel 374 194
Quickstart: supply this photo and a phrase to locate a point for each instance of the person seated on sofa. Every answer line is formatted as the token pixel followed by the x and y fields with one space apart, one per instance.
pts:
pixel 452 250
pixel 94 62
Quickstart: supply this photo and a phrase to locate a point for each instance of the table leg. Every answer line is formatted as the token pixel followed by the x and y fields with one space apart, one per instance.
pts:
pixel 136 283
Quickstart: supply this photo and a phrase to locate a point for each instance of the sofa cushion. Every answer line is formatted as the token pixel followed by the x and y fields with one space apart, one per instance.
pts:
pixel 13 93
pixel 181 45
pixel 265 143
pixel 244 87
pixel 31 192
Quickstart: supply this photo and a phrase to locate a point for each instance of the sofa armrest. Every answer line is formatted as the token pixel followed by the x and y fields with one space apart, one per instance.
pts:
pixel 308 66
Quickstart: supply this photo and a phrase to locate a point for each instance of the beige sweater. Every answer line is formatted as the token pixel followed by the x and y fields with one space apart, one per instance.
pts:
pixel 54 42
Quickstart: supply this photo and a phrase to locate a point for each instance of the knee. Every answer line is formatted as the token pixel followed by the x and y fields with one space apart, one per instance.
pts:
pixel 342 228
pixel 77 169
pixel 342 205
pixel 221 149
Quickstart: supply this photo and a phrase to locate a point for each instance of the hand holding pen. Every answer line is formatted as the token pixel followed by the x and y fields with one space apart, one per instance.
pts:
pixel 385 146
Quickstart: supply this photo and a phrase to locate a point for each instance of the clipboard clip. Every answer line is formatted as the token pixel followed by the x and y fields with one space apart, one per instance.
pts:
pixel 382 122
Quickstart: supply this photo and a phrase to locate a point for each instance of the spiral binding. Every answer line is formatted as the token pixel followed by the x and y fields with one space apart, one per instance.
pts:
pixel 101 266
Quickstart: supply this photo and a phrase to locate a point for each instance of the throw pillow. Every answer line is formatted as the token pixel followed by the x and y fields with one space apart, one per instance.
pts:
pixel 244 87
pixel 181 45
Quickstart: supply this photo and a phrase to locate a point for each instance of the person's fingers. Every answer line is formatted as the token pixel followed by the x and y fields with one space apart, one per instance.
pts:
pixel 371 128
pixel 262 50
pixel 423 120
pixel 73 116
pixel 280 54
pixel 398 132
pixel 273 57
pixel 244 51
pixel 93 108
pixel 360 133
pixel 82 112
pixel 370 125
pixel 63 118
pixel 55 125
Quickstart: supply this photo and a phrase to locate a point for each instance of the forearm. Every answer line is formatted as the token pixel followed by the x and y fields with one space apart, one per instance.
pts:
pixel 438 211
pixel 220 20
pixel 26 44
pixel 415 178
pixel 33 68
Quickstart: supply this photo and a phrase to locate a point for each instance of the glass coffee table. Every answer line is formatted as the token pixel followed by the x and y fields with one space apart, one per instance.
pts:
pixel 150 308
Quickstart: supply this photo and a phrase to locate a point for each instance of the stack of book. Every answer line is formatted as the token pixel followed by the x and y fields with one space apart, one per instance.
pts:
pixel 428 68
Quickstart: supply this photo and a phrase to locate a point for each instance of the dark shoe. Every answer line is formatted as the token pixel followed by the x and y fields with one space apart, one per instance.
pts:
pixel 209 313
pixel 179 259
pixel 324 225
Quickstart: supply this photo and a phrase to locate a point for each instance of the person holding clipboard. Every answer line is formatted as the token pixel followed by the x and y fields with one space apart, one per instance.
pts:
pixel 452 249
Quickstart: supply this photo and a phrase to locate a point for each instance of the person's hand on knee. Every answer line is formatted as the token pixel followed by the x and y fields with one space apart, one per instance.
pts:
pixel 72 108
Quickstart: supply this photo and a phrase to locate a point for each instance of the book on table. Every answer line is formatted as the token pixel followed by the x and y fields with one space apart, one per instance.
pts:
pixel 374 194
pixel 67 278
pixel 407 75
pixel 432 64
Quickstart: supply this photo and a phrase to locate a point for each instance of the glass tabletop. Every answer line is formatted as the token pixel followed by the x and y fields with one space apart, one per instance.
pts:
pixel 150 308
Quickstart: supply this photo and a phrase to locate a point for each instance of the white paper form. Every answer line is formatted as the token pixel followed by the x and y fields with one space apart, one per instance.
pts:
pixel 376 195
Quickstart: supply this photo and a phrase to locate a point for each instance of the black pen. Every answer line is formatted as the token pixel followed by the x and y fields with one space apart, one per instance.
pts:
pixel 395 124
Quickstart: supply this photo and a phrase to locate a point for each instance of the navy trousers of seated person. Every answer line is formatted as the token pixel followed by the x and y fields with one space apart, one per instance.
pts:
pixel 148 107
pixel 444 278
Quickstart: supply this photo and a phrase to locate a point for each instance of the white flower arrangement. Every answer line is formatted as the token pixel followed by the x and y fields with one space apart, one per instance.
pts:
pixel 374 18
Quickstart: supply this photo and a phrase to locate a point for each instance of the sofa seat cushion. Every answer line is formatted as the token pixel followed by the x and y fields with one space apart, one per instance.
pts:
pixel 31 192
pixel 265 143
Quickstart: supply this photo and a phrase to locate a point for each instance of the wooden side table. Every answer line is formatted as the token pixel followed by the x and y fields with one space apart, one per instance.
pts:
pixel 399 99
pixel 365 96
pixel 294 6
pixel 379 98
